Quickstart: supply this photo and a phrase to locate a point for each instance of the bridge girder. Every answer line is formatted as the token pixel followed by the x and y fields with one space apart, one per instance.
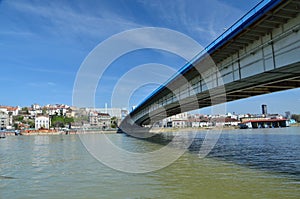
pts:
pixel 268 81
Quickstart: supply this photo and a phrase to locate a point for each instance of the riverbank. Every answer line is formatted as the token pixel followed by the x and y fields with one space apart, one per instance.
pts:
pixel 153 130
pixel 58 132
pixel 188 129
pixel 295 125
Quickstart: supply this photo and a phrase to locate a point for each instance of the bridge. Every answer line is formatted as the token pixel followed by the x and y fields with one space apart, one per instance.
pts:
pixel 259 54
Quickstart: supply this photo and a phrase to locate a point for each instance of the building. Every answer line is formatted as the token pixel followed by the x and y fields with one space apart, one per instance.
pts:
pixel 176 121
pixel 288 115
pixel 179 123
pixel 4 120
pixel 113 112
pixel 35 112
pixel 231 122
pixel 10 110
pixel 264 123
pixel 56 109
pixel 71 112
pixel 264 109
pixel 200 122
pixel 101 120
pixel 42 122
pixel 104 120
pixel 36 107
pixel 93 118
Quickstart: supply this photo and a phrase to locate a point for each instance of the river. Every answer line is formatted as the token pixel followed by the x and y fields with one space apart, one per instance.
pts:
pixel 252 163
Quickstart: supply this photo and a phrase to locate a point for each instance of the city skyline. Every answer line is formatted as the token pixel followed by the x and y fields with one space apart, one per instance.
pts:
pixel 44 43
pixel 203 111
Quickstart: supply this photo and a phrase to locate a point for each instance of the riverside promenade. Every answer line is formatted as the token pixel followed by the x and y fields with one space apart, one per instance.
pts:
pixel 59 132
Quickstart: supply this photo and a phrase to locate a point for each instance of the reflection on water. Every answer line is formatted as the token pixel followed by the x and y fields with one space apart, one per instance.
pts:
pixel 244 164
pixel 40 155
pixel 272 150
pixel 275 150
pixel 6 177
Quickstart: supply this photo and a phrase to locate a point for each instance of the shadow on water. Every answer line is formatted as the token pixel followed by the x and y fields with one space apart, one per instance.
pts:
pixel 6 178
pixel 157 138
pixel 280 153
pixel 273 153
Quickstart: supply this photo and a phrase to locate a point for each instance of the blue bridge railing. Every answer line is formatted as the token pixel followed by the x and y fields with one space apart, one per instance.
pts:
pixel 255 13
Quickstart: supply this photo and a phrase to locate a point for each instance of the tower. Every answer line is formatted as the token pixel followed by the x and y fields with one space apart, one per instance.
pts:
pixel 264 109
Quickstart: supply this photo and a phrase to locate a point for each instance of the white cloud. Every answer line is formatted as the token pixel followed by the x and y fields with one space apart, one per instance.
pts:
pixel 44 70
pixel 63 20
pixel 41 84
pixel 16 33
pixel 203 20
pixel 51 84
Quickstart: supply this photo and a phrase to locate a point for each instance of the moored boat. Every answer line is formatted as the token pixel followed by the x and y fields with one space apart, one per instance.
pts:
pixel 2 135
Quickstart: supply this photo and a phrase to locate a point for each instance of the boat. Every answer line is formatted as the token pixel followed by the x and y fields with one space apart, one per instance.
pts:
pixel 2 135
pixel 243 126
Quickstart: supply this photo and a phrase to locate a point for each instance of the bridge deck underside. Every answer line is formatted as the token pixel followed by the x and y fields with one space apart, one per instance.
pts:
pixel 273 19
pixel 279 80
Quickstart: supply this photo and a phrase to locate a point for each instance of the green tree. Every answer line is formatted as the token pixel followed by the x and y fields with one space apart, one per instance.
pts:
pixel 25 110
pixel 61 121
pixel 296 117
pixel 113 122
pixel 18 118
pixel 68 120
pixel 31 123
pixel 16 126
pixel 80 119
pixel 44 111
pixel 57 121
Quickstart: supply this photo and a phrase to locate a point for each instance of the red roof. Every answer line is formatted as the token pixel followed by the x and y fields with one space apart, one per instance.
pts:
pixel 266 120
pixel 12 108
pixel 9 108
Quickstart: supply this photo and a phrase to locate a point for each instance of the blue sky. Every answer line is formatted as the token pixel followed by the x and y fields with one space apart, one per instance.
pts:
pixel 43 43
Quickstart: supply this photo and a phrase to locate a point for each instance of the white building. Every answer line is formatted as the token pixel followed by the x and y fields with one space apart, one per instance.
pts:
pixel 4 120
pixel 197 122
pixel 179 123
pixel 35 112
pixel 56 109
pixel 113 112
pixel 100 119
pixel 42 122
pixel 176 121
pixel 180 116
pixel 36 107
pixel 93 118
pixel 9 109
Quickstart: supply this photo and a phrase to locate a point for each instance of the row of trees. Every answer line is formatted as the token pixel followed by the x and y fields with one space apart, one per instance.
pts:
pixel 61 121
pixel 21 120
pixel 296 117
pixel 56 121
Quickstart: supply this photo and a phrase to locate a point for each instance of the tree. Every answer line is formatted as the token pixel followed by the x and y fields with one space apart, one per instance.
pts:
pixel 61 121
pixel 16 126
pixel 296 117
pixel 57 121
pixel 25 110
pixel 31 124
pixel 113 122
pixel 83 118
pixel 44 111
pixel 68 120
pixel 19 118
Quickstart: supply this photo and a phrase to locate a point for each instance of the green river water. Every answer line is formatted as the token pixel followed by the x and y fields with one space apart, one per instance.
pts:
pixel 259 163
